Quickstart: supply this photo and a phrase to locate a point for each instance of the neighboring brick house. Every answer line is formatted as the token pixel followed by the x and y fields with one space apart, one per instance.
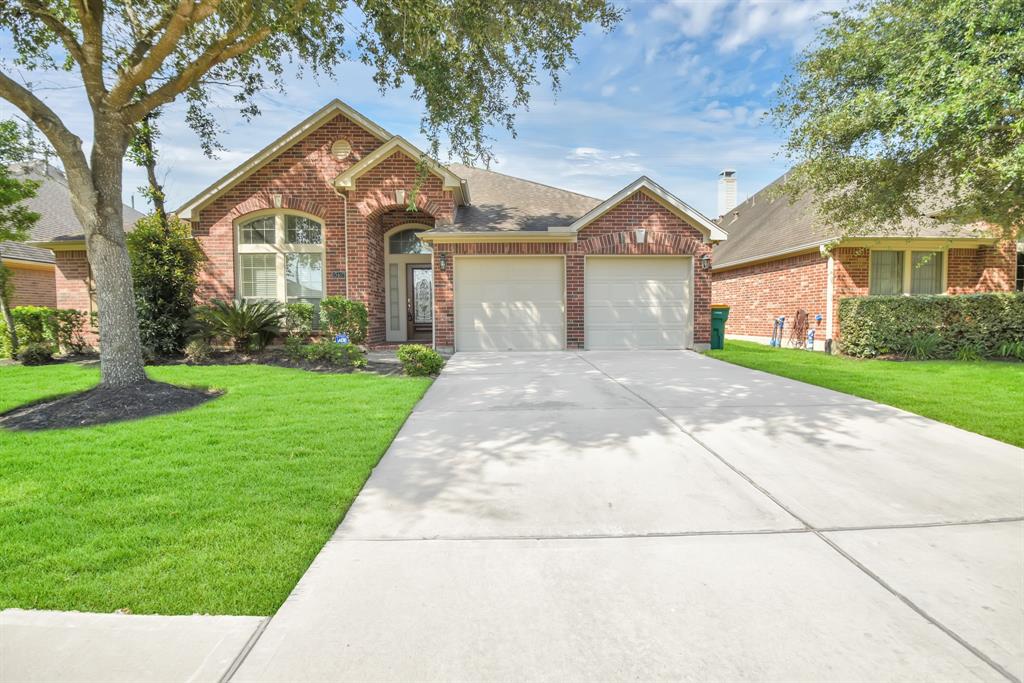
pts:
pixel 777 260
pixel 51 268
pixel 453 256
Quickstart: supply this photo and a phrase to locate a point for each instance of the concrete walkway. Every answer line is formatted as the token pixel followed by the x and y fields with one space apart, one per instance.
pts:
pixel 641 516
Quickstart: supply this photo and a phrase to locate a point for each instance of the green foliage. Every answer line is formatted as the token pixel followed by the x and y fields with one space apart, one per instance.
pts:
pixel 1012 349
pixel 327 351
pixel 338 314
pixel 59 328
pixel 165 274
pixel 298 320
pixel 922 345
pixel 249 326
pixel 198 351
pixel 969 352
pixel 420 361
pixel 881 325
pixel 35 353
pixel 903 101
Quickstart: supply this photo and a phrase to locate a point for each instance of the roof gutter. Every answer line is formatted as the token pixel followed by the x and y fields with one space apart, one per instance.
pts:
pixel 497 236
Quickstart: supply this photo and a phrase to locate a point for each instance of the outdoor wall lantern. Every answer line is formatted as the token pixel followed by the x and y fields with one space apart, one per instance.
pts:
pixel 705 262
pixel 442 260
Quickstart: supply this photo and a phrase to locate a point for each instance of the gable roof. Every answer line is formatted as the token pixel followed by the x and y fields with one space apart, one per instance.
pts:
pixel 346 179
pixel 710 229
pixel 258 160
pixel 504 203
pixel 57 222
pixel 765 226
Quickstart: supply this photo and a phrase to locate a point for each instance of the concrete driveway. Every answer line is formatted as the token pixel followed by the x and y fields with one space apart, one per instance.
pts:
pixel 662 515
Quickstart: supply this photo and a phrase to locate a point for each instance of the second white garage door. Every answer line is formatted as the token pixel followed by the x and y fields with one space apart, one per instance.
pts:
pixel 638 302
pixel 509 303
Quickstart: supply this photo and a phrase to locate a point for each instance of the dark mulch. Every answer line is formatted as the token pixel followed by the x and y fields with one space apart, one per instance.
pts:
pixel 105 404
pixel 279 358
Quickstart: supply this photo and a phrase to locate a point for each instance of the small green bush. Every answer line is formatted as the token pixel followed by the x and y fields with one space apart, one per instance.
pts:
pixel 36 353
pixel 338 314
pixel 881 325
pixel 249 326
pixel 298 320
pixel 922 345
pixel 61 329
pixel 1012 349
pixel 419 361
pixel 969 352
pixel 327 351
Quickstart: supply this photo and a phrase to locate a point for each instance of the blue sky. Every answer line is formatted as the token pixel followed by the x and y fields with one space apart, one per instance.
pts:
pixel 676 92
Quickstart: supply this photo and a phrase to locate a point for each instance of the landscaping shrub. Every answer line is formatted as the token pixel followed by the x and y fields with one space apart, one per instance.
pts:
pixel 922 345
pixel 35 353
pixel 979 323
pixel 298 320
pixel 198 351
pixel 1012 349
pixel 249 326
pixel 418 360
pixel 328 351
pixel 165 274
pixel 58 328
pixel 338 314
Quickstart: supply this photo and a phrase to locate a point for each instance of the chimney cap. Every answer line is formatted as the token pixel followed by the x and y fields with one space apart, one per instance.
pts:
pixel 728 172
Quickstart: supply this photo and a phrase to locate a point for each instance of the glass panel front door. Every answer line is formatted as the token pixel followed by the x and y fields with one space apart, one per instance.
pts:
pixel 420 301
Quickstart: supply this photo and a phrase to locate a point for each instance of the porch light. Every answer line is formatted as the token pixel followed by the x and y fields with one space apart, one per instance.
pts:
pixel 705 262
pixel 442 261
pixel 640 234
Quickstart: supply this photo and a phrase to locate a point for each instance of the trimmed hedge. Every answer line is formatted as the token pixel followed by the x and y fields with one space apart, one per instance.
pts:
pixel 966 325
pixel 60 328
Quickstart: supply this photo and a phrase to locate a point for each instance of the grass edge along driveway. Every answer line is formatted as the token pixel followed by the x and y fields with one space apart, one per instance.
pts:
pixel 218 509
pixel 986 397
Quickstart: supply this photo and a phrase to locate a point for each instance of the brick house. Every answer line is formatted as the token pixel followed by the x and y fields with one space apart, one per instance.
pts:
pixel 50 269
pixel 777 260
pixel 454 256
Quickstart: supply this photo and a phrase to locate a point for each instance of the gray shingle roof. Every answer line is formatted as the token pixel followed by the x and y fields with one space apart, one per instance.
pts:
pixel 57 220
pixel 504 203
pixel 762 227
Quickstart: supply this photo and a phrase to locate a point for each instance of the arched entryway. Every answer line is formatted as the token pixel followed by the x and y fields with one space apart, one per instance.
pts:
pixel 408 285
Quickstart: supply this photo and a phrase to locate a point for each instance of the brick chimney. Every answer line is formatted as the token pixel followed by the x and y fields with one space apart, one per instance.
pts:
pixel 726 191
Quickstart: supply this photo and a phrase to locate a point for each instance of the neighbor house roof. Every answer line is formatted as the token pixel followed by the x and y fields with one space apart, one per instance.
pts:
pixel 57 221
pixel 502 203
pixel 768 225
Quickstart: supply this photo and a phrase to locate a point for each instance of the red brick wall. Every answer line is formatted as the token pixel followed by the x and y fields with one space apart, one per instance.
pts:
pixel 303 175
pixel 985 269
pixel 850 277
pixel 759 293
pixel 33 286
pixel 609 234
pixel 73 282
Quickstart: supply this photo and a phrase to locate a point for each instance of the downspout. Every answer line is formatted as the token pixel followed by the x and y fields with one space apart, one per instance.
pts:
pixel 829 305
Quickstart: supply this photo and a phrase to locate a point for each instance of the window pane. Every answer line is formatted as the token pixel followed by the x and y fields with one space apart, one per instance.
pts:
pixel 301 230
pixel 926 276
pixel 407 242
pixel 259 276
pixel 1020 271
pixel 259 231
pixel 886 272
pixel 304 274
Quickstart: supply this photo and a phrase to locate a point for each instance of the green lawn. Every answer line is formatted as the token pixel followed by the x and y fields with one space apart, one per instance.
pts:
pixel 218 509
pixel 986 397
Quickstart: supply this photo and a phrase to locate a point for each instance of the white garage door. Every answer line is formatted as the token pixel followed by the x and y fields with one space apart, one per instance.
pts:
pixel 638 302
pixel 509 303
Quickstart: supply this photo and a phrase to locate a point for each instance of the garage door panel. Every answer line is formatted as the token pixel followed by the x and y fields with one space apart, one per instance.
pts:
pixel 509 303
pixel 638 303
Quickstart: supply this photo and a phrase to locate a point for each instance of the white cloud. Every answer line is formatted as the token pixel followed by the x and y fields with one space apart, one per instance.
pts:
pixel 608 90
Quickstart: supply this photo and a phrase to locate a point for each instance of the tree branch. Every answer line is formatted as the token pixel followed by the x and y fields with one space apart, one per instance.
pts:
pixel 50 21
pixel 90 15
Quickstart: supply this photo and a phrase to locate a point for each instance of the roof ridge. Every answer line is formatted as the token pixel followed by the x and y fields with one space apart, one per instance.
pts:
pixel 527 180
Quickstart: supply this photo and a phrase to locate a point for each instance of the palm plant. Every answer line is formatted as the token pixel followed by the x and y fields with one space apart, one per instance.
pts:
pixel 250 326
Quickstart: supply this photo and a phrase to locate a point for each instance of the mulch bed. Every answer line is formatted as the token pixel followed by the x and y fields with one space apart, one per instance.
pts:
pixel 105 404
pixel 279 358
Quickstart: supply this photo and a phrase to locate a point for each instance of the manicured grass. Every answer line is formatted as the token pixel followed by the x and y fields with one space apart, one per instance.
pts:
pixel 986 397
pixel 219 509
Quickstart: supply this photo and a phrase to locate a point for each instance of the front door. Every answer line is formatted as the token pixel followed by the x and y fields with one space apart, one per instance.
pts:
pixel 419 301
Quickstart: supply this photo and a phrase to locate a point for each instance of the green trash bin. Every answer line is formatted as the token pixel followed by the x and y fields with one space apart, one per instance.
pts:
pixel 719 314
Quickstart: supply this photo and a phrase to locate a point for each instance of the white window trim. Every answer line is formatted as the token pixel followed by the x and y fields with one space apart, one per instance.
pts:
pixel 402 260
pixel 908 268
pixel 280 248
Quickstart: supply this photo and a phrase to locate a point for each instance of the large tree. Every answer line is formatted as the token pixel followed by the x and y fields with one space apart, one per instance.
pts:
pixel 911 109
pixel 471 62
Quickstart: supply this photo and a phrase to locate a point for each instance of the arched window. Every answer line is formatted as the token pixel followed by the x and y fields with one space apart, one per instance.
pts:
pixel 407 242
pixel 281 257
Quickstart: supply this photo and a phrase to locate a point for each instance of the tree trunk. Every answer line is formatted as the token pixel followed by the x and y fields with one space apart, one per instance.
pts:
pixel 120 351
